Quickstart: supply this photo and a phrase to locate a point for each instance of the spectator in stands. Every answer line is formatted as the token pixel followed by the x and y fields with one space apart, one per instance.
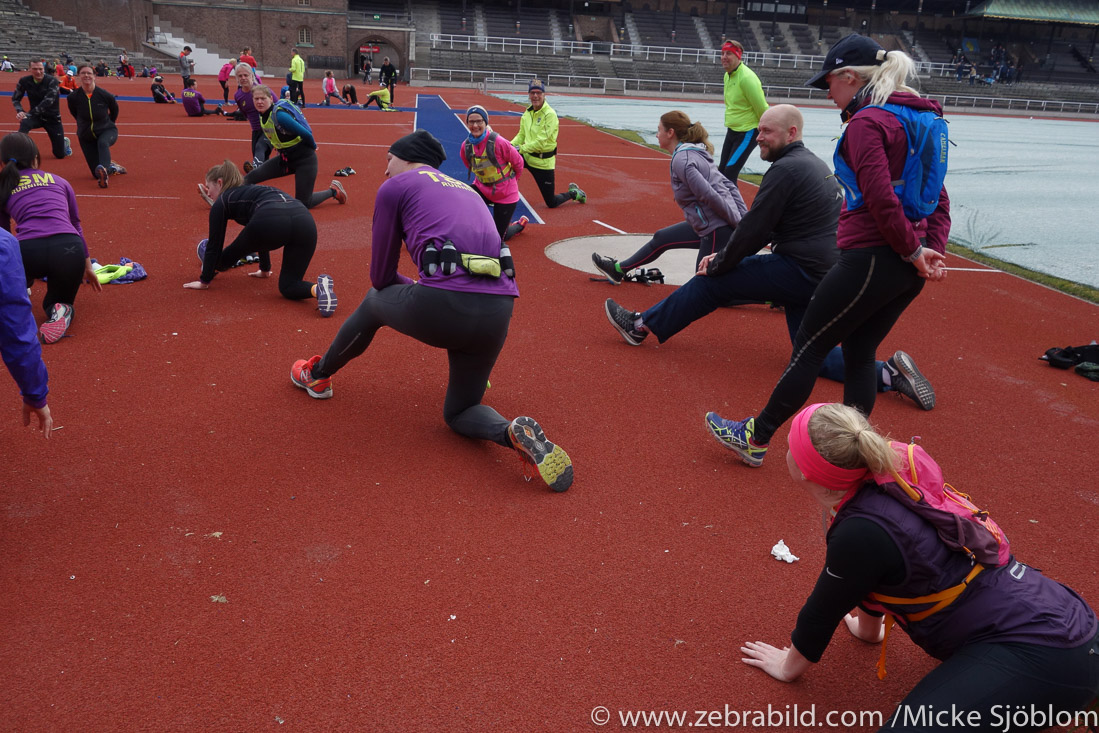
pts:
pixel 161 95
pixel 43 96
pixel 70 69
pixel 297 78
pixel 328 86
pixel 58 68
pixel 496 167
pixel 246 57
pixel 194 104
pixel 95 111
pixel 6 65
pixel 349 95
pixel 387 74
pixel 224 75
pixel 186 65
pixel 537 141
pixel 744 104
pixel 101 68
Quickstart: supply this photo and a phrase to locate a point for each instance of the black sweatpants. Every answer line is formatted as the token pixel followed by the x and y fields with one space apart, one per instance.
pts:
pixel 734 153
pixel 302 162
pixel 97 151
pixel 54 129
pixel 501 213
pixel 677 236
pixel 856 304
pixel 288 226
pixel 297 92
pixel 545 181
pixel 224 90
pixel 1003 683
pixel 261 146
pixel 60 260
pixel 472 327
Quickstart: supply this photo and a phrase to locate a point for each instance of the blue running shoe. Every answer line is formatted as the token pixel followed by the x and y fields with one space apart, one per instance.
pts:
pixel 202 250
pixel 326 295
pixel 737 437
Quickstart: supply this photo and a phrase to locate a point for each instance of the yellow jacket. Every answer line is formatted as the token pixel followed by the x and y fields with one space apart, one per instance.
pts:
pixel 537 138
pixel 297 68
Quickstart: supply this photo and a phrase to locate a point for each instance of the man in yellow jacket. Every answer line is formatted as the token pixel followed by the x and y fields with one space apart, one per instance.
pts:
pixel 744 105
pixel 537 141
pixel 297 78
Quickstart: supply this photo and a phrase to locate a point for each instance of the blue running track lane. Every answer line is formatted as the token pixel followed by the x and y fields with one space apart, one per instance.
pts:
pixel 448 126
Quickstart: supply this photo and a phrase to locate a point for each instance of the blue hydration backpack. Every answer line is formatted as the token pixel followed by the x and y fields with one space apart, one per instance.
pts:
pixel 292 109
pixel 924 171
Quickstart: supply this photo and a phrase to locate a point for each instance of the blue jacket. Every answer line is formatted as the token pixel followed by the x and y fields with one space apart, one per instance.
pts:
pixel 18 335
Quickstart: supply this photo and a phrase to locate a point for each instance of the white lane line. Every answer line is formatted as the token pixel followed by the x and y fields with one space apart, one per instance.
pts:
pixel 102 196
pixel 972 269
pixel 608 226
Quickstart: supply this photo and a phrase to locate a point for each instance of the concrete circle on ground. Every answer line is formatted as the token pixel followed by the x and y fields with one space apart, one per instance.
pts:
pixel 678 265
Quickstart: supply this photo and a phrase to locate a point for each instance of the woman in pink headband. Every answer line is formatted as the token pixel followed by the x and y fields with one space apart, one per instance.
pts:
pixel 1010 638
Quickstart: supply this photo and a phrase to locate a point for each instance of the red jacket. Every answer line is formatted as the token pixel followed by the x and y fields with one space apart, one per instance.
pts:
pixel 874 146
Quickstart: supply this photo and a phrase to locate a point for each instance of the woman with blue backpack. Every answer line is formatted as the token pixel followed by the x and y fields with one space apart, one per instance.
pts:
pixel 1016 646
pixel 891 237
pixel 296 150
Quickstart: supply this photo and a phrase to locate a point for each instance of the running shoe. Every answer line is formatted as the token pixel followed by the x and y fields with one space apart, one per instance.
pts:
pixel 516 227
pixel 301 374
pixel 908 381
pixel 202 250
pixel 101 176
pixel 736 435
pixel 623 322
pixel 578 194
pixel 608 266
pixel 202 192
pixel 337 192
pixel 52 330
pixel 117 170
pixel 326 295
pixel 68 148
pixel 344 172
pixel 537 453
pixel 248 166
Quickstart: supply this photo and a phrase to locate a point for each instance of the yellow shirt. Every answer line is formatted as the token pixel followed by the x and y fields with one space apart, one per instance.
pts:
pixel 297 68
pixel 538 134
pixel 744 100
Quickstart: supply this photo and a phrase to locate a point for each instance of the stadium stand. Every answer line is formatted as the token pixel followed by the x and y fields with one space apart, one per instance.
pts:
pixel 25 34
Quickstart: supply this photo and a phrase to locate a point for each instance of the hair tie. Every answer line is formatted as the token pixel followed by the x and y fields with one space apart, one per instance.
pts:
pixel 881 55
pixel 12 160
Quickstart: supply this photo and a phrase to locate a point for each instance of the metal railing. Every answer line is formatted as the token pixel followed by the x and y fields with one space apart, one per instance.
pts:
pixel 619 85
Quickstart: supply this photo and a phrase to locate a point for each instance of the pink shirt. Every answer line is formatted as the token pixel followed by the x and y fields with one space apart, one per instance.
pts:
pixel 502 192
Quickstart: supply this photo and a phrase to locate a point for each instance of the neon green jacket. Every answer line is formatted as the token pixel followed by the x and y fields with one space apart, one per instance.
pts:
pixel 744 101
pixel 297 68
pixel 538 137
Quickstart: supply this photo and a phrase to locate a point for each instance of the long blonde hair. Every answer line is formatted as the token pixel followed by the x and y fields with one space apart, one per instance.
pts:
pixel 685 130
pixel 844 437
pixel 890 76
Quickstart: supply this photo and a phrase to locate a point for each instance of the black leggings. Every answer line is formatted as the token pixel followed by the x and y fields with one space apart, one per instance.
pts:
pixel 734 153
pixel 54 129
pixel 1000 682
pixel 303 164
pixel 545 181
pixel 677 236
pixel 261 146
pixel 97 152
pixel 472 327
pixel 856 304
pixel 60 260
pixel 278 225
pixel 224 90
pixel 501 213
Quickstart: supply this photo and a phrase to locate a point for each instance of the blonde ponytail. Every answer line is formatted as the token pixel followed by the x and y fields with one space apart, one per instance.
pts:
pixel 845 438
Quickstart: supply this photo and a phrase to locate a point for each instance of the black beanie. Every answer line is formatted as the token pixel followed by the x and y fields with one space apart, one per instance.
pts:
pixel 419 147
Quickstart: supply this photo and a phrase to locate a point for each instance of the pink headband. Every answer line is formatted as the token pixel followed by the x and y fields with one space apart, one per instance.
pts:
pixel 728 46
pixel 812 464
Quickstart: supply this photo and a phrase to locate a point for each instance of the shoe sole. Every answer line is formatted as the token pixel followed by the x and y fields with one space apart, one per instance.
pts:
pixel 326 394
pixel 552 462
pixel 741 453
pixel 209 201
pixel 326 296
pixel 341 194
pixel 101 175
pixel 621 331
pixel 50 332
pixel 925 393
pixel 604 273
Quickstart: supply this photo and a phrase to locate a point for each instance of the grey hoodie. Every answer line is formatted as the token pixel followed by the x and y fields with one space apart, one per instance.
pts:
pixel 709 200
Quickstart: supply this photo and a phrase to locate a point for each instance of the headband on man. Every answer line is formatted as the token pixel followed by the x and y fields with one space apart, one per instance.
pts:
pixel 733 48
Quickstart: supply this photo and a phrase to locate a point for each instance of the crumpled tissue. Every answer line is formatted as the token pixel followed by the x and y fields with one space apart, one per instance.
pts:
pixel 782 552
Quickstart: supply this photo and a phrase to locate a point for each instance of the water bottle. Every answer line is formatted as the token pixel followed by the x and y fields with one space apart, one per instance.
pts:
pixel 506 263
pixel 449 258
pixel 429 261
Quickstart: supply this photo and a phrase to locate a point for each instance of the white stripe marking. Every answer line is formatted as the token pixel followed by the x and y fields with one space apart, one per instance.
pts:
pixel 608 226
pixel 972 269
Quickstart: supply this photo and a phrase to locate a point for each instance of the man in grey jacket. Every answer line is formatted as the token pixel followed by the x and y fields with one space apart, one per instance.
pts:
pixel 796 211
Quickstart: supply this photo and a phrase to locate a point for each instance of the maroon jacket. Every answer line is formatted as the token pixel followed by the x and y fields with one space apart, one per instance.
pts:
pixel 874 146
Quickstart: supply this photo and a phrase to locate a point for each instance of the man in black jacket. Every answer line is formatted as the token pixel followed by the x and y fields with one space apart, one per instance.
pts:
pixel 42 92
pixel 796 211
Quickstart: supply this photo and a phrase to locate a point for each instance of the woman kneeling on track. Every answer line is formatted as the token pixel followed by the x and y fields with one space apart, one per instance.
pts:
pixel 1010 639
pixel 711 203
pixel 292 139
pixel 271 220
pixel 95 111
pixel 450 236
pixel 51 239
pixel 496 166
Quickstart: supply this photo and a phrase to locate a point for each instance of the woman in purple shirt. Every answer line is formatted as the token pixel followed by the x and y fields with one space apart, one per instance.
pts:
pixel 1013 639
pixel 51 240
pixel 439 220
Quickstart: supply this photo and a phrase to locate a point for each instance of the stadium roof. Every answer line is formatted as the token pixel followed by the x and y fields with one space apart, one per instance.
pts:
pixel 1080 12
